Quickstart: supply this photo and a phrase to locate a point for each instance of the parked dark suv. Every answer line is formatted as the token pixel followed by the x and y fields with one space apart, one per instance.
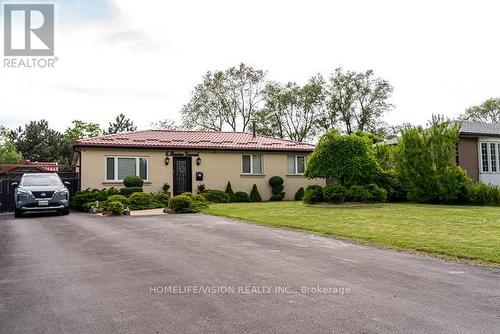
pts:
pixel 41 192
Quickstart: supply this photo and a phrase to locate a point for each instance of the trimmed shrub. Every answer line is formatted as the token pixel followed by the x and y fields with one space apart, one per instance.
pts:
pixel 141 201
pixel 357 193
pixel 313 194
pixel 160 200
pixel 241 196
pixel 299 195
pixel 229 191
pixel 216 196
pixel 482 194
pixel 276 183
pixel 118 198
pixel 188 194
pixel 254 194
pixel 131 190
pixel 183 204
pixel 199 202
pixel 115 208
pixel 90 195
pixel 132 181
pixel 334 193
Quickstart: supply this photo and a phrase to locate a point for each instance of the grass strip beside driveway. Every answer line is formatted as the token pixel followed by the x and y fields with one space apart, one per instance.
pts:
pixel 455 232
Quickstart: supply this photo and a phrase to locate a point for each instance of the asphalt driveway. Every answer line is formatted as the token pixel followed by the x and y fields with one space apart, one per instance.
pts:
pixel 193 273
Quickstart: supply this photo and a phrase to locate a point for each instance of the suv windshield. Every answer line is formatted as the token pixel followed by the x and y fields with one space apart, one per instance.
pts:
pixel 40 180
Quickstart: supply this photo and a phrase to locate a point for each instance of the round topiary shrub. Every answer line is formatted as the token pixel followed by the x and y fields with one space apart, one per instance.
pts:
pixel 115 208
pixel 254 194
pixel 299 195
pixel 132 181
pixel 313 194
pixel 160 200
pixel 276 183
pixel 216 196
pixel 357 193
pixel 241 196
pixel 182 204
pixel 140 201
pixel 334 193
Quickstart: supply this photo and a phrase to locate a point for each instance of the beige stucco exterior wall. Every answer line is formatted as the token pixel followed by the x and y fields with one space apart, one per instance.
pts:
pixel 218 168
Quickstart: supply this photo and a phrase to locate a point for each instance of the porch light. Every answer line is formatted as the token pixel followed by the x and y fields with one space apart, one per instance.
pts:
pixel 167 161
pixel 198 161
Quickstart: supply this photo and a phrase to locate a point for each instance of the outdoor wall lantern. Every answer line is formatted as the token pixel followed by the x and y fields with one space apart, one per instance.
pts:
pixel 198 161
pixel 167 161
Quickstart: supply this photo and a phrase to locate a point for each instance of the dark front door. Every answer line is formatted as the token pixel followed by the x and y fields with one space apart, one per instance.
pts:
pixel 182 175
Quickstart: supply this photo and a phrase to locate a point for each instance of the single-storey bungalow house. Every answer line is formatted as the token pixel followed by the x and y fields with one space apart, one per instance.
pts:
pixel 478 151
pixel 186 159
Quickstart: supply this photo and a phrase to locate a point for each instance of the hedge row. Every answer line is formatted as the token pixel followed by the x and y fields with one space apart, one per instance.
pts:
pixel 336 193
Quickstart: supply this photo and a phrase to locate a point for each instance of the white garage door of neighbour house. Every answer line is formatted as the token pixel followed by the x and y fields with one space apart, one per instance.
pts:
pixel 489 160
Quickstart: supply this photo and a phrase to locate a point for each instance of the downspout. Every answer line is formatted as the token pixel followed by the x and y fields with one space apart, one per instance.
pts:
pixel 78 151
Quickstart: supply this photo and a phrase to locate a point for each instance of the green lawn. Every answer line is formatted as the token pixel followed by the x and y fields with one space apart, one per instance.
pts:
pixel 456 232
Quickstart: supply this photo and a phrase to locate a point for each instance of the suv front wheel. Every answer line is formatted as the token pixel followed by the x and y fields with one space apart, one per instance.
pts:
pixel 17 213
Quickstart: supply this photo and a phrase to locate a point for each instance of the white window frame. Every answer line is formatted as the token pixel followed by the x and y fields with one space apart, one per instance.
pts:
pixel 488 143
pixel 296 164
pixel 251 164
pixel 116 157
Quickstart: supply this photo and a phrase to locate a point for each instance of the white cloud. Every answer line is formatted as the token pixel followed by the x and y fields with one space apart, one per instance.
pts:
pixel 143 58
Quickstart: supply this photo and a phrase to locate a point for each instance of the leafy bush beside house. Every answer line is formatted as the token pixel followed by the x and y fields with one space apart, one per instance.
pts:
pixel 425 162
pixel 313 194
pixel 334 193
pixel 186 204
pixel 80 198
pixel 115 208
pixel 241 196
pixel 215 196
pixel 299 195
pixel 482 194
pixel 130 190
pixel 141 201
pixel 116 198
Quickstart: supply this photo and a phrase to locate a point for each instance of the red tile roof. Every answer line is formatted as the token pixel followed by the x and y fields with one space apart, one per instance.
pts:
pixel 194 140
pixel 26 164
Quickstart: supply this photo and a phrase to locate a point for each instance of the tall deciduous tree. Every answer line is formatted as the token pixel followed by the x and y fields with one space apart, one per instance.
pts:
pixel 348 159
pixel 121 124
pixel 165 124
pixel 425 161
pixel 78 130
pixel 355 101
pixel 230 98
pixel 486 112
pixel 291 110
